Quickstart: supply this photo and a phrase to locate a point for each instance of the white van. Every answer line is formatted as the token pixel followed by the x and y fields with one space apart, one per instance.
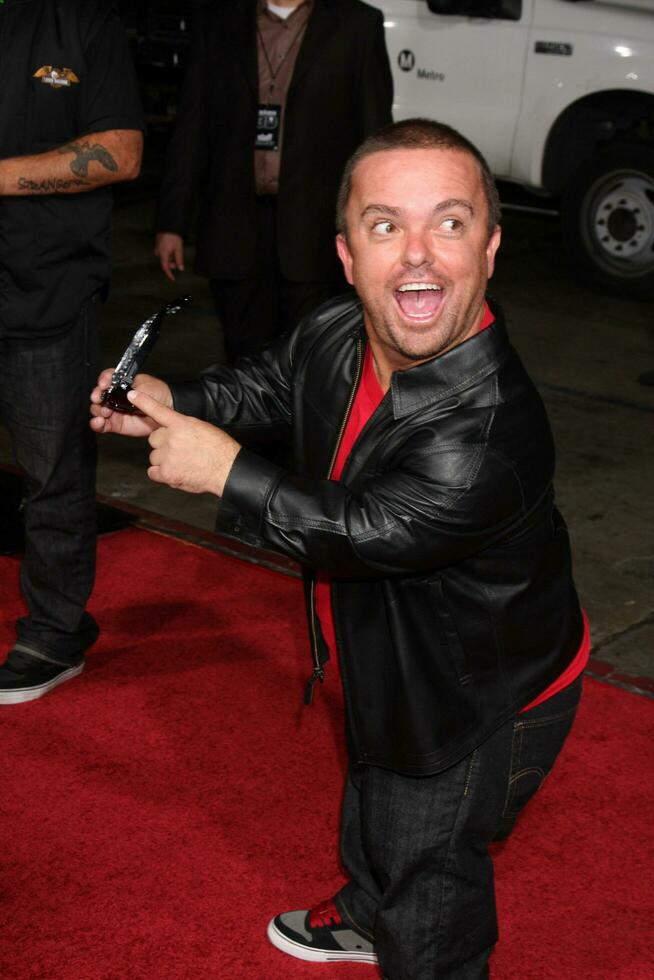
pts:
pixel 559 97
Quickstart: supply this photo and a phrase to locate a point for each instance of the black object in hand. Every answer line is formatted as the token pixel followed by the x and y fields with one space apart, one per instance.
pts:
pixel 132 361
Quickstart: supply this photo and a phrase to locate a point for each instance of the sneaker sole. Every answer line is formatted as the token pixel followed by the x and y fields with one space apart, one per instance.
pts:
pixel 32 693
pixel 301 952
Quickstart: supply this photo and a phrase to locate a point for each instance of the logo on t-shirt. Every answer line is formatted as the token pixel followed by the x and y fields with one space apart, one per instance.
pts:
pixel 56 77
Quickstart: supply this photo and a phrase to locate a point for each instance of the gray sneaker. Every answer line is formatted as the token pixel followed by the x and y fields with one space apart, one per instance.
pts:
pixel 28 676
pixel 320 935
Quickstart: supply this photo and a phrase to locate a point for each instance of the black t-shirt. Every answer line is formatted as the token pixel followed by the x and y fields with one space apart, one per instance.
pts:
pixel 54 249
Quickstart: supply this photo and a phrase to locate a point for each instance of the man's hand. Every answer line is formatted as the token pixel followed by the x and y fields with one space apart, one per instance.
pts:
pixel 187 454
pixel 105 419
pixel 169 249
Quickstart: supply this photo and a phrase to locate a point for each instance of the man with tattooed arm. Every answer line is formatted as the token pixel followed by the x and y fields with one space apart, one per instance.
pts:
pixel 70 125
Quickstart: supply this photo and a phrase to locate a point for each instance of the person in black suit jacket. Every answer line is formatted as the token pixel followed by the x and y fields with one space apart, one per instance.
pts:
pixel 266 222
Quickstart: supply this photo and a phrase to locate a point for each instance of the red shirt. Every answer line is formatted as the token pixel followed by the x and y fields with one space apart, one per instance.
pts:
pixel 367 399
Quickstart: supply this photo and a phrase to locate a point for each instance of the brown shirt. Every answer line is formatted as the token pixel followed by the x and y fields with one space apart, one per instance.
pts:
pixel 278 43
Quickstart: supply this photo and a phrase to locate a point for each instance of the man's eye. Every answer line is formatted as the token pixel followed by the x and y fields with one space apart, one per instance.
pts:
pixel 383 227
pixel 451 224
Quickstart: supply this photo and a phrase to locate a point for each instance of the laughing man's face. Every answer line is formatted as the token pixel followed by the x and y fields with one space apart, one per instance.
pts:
pixel 418 252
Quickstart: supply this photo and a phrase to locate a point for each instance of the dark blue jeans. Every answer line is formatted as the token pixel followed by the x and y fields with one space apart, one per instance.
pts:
pixel 44 403
pixel 417 847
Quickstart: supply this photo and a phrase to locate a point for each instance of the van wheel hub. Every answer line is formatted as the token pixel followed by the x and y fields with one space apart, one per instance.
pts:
pixel 624 218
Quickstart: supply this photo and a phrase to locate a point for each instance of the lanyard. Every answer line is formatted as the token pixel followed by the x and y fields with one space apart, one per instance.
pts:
pixel 275 73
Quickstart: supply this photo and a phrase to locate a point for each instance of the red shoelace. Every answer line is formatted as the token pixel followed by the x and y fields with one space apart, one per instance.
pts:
pixel 324 915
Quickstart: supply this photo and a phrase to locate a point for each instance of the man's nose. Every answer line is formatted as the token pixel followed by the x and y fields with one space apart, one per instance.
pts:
pixel 418 248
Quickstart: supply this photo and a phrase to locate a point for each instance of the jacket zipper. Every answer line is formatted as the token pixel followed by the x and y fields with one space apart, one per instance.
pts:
pixel 318 670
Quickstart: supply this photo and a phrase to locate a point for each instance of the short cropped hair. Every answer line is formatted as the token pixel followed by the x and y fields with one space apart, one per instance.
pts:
pixel 417 134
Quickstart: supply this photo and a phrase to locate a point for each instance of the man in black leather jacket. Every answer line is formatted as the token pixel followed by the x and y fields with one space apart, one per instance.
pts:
pixel 421 504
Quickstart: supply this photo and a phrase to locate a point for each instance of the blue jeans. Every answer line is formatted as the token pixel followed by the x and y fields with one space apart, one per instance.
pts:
pixel 44 403
pixel 417 847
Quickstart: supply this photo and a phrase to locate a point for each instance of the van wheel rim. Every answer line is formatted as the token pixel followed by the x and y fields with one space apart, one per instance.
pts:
pixel 622 217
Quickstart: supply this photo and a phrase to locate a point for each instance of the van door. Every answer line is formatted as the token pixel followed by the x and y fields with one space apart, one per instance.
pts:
pixel 464 71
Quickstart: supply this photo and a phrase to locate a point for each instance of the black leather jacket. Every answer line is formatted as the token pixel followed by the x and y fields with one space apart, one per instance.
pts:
pixel 453 597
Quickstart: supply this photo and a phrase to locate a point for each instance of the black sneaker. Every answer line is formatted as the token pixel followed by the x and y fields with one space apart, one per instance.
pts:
pixel 320 935
pixel 28 676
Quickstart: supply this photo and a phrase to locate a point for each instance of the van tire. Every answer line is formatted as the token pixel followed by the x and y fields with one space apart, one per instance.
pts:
pixel 608 218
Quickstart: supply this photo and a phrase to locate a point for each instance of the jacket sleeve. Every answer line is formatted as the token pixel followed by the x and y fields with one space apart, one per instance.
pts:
pixel 375 79
pixel 258 391
pixel 430 510
pixel 187 154
pixel 253 394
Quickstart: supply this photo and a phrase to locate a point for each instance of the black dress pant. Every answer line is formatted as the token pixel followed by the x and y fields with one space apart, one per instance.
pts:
pixel 256 309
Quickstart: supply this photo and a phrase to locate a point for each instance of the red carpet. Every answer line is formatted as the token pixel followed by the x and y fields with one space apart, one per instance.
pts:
pixel 157 811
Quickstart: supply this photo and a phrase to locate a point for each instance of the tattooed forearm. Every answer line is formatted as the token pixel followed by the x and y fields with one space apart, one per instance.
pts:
pixel 85 163
pixel 85 153
pixel 51 185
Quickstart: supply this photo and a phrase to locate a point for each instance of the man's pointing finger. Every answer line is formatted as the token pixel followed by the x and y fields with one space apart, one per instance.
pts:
pixel 149 406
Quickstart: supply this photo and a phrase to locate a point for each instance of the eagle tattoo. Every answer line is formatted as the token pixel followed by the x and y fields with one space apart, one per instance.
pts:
pixel 85 153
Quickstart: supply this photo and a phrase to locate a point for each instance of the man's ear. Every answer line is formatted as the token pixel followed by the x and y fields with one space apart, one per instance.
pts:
pixel 491 249
pixel 345 256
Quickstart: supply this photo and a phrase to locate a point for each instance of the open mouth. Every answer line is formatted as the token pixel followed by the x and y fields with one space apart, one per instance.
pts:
pixel 419 300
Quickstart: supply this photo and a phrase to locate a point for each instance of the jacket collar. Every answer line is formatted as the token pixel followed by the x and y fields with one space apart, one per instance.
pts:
pixel 244 32
pixel 322 22
pixel 444 377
